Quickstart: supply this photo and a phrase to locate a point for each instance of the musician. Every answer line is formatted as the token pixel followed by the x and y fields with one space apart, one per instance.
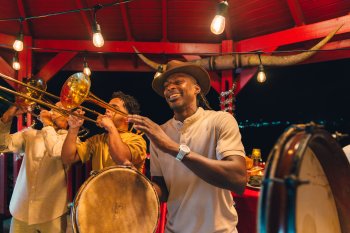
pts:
pixel 118 146
pixel 197 157
pixel 39 199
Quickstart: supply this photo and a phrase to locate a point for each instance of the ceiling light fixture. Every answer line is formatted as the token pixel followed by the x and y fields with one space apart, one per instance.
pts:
pixel 15 62
pixel 18 44
pixel 97 37
pixel 261 77
pixel 218 24
pixel 86 69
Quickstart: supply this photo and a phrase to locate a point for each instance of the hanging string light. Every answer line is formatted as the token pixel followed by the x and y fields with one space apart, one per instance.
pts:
pixel 86 69
pixel 218 24
pixel 261 77
pixel 18 44
pixel 15 62
pixel 97 37
pixel 159 71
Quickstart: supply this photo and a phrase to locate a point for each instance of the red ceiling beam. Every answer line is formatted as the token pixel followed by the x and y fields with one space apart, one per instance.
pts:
pixel 7 40
pixel 297 13
pixel 84 16
pixel 295 35
pixel 126 47
pixel 126 22
pixel 55 65
pixel 164 21
pixel 22 12
pixel 6 69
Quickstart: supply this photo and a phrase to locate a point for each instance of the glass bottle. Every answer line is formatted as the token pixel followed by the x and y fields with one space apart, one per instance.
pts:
pixel 256 156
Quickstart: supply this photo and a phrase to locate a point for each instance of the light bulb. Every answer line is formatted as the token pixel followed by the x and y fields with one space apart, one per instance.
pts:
pixel 97 37
pixel 18 45
pixel 218 24
pixel 87 71
pixel 261 76
pixel 16 65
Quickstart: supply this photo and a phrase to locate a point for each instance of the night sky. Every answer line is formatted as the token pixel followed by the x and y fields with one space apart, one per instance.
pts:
pixel 298 94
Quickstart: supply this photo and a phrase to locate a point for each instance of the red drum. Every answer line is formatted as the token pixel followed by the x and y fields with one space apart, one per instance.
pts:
pixel 306 187
pixel 116 199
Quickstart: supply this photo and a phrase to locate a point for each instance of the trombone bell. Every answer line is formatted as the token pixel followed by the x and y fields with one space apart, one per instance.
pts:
pixel 75 90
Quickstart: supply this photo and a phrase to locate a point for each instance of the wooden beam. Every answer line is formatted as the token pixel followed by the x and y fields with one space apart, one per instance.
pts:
pixel 55 65
pixel 7 69
pixel 6 40
pixel 22 12
pixel 295 35
pixel 126 47
pixel 126 22
pixel 84 16
pixel 164 21
pixel 296 12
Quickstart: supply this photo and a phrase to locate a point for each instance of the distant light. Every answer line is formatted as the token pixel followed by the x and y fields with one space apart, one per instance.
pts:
pixel 97 37
pixel 18 44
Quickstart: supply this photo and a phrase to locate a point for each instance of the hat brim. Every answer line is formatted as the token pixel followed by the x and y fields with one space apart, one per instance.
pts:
pixel 197 72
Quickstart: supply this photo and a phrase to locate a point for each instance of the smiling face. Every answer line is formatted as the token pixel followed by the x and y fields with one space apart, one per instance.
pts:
pixel 118 119
pixel 180 91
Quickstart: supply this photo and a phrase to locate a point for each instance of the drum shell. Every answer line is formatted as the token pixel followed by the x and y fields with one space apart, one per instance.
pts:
pixel 286 193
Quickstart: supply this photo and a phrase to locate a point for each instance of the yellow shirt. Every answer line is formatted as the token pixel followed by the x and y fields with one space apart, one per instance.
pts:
pixel 97 147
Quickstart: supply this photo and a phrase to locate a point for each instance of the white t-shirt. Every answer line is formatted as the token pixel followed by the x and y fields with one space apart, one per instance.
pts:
pixel 193 204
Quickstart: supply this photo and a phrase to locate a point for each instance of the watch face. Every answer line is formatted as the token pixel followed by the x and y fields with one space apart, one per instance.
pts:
pixel 185 148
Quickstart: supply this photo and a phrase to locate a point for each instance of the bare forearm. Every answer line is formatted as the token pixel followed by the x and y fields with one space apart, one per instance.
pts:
pixel 120 152
pixel 229 173
pixel 69 149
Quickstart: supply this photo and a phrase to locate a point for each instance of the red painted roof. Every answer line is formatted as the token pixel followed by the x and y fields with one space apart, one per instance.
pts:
pixel 167 29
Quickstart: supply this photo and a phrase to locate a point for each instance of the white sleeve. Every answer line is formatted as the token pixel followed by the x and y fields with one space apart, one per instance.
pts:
pixel 10 142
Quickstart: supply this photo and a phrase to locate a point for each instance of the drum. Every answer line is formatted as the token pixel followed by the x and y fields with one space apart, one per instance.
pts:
pixel 306 186
pixel 116 199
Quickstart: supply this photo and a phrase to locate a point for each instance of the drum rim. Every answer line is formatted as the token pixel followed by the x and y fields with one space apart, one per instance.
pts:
pixel 95 174
pixel 307 135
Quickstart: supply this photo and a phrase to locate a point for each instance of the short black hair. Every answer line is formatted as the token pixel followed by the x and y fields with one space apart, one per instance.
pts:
pixel 130 103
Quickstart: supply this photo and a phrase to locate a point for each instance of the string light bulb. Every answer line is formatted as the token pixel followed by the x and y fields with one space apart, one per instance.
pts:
pixel 218 24
pixel 261 77
pixel 97 37
pixel 15 63
pixel 18 44
pixel 86 69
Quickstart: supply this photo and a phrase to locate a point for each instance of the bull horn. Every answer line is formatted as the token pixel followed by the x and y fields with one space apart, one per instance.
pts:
pixel 149 62
pixel 232 61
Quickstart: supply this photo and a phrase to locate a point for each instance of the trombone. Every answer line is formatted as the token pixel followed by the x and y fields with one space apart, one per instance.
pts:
pixel 82 132
pixel 74 91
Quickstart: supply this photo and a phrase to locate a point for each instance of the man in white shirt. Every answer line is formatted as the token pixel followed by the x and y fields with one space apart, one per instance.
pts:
pixel 39 199
pixel 197 157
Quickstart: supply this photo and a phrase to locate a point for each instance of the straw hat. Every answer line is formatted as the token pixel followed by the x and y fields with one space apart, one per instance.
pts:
pixel 174 66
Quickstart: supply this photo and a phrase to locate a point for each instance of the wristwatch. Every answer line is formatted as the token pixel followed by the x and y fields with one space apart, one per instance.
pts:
pixel 183 151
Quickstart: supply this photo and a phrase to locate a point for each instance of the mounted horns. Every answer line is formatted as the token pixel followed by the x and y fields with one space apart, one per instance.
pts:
pixel 232 61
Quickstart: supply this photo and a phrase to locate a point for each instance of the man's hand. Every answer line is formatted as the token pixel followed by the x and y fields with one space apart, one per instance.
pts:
pixel 75 122
pixel 105 122
pixel 154 132
pixel 11 112
pixel 46 118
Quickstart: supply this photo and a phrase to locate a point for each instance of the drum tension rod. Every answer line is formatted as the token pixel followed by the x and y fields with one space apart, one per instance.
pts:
pixel 289 181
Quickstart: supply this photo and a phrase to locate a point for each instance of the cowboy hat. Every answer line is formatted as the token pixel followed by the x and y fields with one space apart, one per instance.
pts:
pixel 175 66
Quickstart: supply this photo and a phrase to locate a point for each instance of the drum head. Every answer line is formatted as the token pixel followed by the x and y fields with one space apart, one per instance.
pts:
pixel 306 184
pixel 117 199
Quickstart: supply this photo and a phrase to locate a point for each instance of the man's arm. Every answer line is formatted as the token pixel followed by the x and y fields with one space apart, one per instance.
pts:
pixel 228 173
pixel 69 149
pixel 119 151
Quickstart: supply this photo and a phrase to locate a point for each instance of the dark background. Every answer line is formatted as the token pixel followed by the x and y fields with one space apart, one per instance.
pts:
pixel 297 94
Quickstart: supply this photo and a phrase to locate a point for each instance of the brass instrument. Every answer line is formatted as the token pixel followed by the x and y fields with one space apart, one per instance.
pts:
pixel 75 90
